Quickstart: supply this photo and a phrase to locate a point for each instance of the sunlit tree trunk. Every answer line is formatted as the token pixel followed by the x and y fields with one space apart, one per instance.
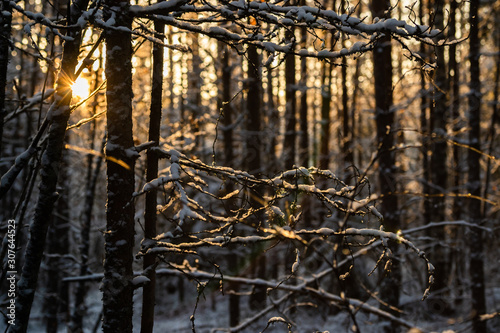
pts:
pixel 478 306
pixel 148 292
pixel 49 174
pixel 384 115
pixel 117 286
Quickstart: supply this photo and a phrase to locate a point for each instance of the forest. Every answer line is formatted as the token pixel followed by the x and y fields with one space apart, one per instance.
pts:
pixel 249 166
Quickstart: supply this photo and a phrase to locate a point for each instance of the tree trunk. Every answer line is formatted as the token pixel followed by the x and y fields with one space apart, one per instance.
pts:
pixel 474 180
pixel 290 139
pixel 227 113
pixel 326 96
pixel 5 23
pixel 119 238
pixel 384 116
pixel 346 121
pixel 148 298
pixel 439 170
pixel 254 165
pixel 304 130
pixel 56 299
pixel 49 174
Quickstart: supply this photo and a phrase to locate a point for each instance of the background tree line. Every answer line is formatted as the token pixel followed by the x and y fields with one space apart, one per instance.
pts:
pixel 253 150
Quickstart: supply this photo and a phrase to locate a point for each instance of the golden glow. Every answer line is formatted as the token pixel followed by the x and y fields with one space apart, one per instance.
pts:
pixel 80 88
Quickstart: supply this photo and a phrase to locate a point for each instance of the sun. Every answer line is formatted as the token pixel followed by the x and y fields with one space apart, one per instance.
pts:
pixel 80 88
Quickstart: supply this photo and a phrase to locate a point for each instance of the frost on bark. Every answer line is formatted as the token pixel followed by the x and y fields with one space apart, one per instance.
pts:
pixel 117 286
pixel 49 174
pixel 386 160
pixel 478 306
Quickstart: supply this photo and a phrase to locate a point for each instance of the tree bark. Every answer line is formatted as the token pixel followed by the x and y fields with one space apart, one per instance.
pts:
pixel 304 130
pixel 119 238
pixel 439 170
pixel 384 115
pixel 289 149
pixel 148 298
pixel 326 96
pixel 5 31
pixel 254 164
pixel 56 299
pixel 474 178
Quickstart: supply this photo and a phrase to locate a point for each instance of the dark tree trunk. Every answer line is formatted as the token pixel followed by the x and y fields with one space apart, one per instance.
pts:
pixel 254 147
pixel 5 30
pixel 346 120
pixel 227 113
pixel 438 166
pixel 148 298
pixel 273 123
pixel 119 238
pixel 478 305
pixel 56 299
pixel 386 160
pixel 454 80
pixel 289 149
pixel 49 174
pixel 304 130
pixel 424 125
pixel 326 96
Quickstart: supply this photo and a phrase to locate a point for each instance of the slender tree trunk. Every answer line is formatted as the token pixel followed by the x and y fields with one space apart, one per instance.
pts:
pixel 424 126
pixel 273 123
pixel 119 237
pixel 253 158
pixel 454 79
pixel 326 96
pixel 289 149
pixel 384 116
pixel 346 121
pixel 457 251
pixel 439 170
pixel 56 300
pixel 478 305
pixel 5 30
pixel 49 174
pixel 304 128
pixel 148 300
pixel 227 111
